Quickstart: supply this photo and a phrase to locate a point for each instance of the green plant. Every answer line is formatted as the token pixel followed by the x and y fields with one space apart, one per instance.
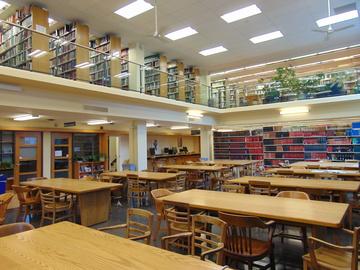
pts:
pixel 102 157
pixel 5 165
pixel 286 77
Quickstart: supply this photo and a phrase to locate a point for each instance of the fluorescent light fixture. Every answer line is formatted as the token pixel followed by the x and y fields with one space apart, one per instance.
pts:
pixel 266 37
pixel 185 32
pixel 26 117
pixel 194 114
pixel 51 21
pixel 134 9
pixel 338 18
pixel 84 65
pixel 115 54
pixel 294 110
pixel 150 124
pixel 122 75
pixel 179 127
pixel 37 53
pixel 99 122
pixel 4 4
pixel 224 130
pixel 211 51
pixel 241 14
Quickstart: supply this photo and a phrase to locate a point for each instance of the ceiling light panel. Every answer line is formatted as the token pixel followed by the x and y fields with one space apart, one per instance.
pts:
pixel 182 33
pixel 212 51
pixel 179 127
pixel 26 117
pixel 338 18
pixel 241 14
pixel 134 9
pixel 294 110
pixel 266 37
pixel 99 122
pixel 4 5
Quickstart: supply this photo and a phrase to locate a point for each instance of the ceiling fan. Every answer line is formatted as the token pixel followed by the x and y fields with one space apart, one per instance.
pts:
pixel 330 30
pixel 156 33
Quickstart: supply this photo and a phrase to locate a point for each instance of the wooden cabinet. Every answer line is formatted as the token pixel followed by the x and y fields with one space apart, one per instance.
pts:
pixel 61 155
pixel 93 168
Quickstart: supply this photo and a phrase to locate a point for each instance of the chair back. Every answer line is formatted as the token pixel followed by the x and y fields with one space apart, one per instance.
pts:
pixel 47 198
pixel 313 166
pixel 233 187
pixel 227 174
pixel 22 192
pixel 240 239
pixel 178 218
pixel 89 178
pixel 5 199
pixel 13 228
pixel 133 181
pixel 260 187
pixel 181 182
pixel 36 178
pixel 293 194
pixel 328 176
pixel 158 193
pixel 208 234
pixel 284 172
pixel 172 171
pixel 139 223
pixel 106 178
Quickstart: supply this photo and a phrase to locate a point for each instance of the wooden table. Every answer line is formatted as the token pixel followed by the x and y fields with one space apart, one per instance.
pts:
pixel 236 163
pixel 93 197
pixel 316 213
pixel 67 245
pixel 149 176
pixel 214 168
pixel 327 165
pixel 338 186
pixel 317 172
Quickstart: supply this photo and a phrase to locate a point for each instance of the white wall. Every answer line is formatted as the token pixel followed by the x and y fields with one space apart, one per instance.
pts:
pixel 123 149
pixel 191 142
pixel 46 154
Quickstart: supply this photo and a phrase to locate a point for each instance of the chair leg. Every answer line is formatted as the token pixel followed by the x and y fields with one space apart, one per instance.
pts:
pixel 157 229
pixel 27 213
pixel 305 265
pixel 272 260
pixel 42 219
pixel 282 232
pixel 304 238
pixel 250 265
pixel 19 213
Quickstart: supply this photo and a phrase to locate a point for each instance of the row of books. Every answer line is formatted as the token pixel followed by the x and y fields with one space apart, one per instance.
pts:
pixel 63 59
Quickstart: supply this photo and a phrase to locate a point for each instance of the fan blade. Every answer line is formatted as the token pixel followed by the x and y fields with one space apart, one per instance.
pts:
pixel 320 31
pixel 343 28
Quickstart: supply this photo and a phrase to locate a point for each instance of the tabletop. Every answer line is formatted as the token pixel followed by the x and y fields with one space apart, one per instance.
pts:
pixel 328 214
pixel 318 184
pixel 317 171
pixel 326 164
pixel 193 167
pixel 67 245
pixel 152 176
pixel 232 162
pixel 75 186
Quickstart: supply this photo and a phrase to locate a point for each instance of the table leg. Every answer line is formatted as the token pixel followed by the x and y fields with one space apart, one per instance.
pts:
pixel 94 207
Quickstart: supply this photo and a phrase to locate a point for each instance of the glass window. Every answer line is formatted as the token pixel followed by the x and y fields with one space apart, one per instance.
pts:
pixel 86 147
pixel 29 140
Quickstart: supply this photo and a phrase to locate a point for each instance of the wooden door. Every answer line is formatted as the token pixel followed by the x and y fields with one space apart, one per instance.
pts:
pixel 61 155
pixel 28 156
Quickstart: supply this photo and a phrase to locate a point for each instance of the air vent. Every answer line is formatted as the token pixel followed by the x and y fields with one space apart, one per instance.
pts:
pixel 345 8
pixel 95 108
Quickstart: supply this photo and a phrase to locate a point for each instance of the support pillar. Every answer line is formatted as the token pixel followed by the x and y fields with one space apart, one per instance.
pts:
pixel 136 74
pixel 138 145
pixel 206 143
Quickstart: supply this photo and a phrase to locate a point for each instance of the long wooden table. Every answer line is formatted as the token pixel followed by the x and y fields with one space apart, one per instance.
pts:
pixel 149 176
pixel 338 186
pixel 316 213
pixel 317 172
pixel 67 245
pixel 93 197
pixel 235 163
pixel 327 165
pixel 205 168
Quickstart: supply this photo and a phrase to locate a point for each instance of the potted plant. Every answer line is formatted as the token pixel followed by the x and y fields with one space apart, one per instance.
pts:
pixel 290 86
pixel 102 157
pixel 271 94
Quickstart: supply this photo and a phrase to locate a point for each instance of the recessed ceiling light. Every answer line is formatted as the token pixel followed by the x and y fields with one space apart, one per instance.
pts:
pixel 151 124
pixel 241 14
pixel 185 32
pixel 338 18
pixel 224 130
pixel 294 110
pixel 134 9
pixel 26 117
pixel 3 4
pixel 194 114
pixel 211 51
pixel 99 122
pixel 179 127
pixel 266 37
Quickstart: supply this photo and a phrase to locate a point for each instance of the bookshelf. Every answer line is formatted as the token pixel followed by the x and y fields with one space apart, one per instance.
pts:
pixel 17 43
pixel 66 55
pixel 83 169
pixel 7 144
pixel 192 85
pixel 156 78
pixel 125 68
pixel 239 145
pixel 105 67
pixel 176 85
pixel 61 156
pixel 218 93
pixel 233 96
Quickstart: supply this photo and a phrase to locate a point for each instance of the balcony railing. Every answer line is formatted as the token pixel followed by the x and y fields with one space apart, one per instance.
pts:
pixel 61 56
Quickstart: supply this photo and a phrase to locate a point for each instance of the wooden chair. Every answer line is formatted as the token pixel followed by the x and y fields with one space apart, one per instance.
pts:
pixel 56 207
pixel 116 192
pixel 313 166
pixel 159 206
pixel 261 188
pixel 138 190
pixel 233 187
pixel 207 235
pixel 196 180
pixel 241 243
pixel 13 228
pixel 29 198
pixel 284 173
pixel 5 199
pixel 302 237
pixel 323 255
pixel 138 225
pixel 36 178
pixel 179 184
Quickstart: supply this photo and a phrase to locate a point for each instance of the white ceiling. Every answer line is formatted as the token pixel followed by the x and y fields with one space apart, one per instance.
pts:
pixel 295 19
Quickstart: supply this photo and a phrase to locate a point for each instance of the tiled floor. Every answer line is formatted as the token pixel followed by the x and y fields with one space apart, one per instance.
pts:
pixel 287 254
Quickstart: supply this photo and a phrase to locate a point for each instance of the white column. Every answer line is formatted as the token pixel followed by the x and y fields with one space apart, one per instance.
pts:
pixel 46 154
pixel 138 145
pixel 206 143
pixel 136 77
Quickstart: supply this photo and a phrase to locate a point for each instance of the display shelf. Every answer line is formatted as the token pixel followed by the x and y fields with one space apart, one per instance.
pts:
pixel 82 169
